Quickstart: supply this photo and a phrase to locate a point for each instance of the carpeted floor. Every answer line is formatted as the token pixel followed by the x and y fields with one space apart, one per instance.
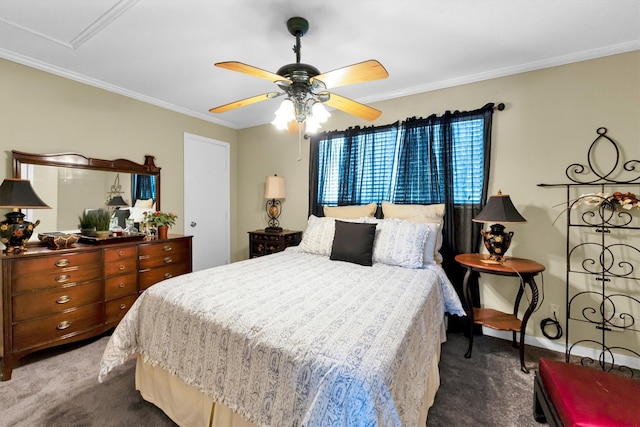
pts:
pixel 59 387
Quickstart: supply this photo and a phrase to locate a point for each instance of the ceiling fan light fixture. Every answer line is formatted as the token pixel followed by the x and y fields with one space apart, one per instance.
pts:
pixel 311 125
pixel 319 112
pixel 284 115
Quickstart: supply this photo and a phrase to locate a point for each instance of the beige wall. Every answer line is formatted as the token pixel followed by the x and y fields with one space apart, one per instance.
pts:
pixel 44 113
pixel 550 120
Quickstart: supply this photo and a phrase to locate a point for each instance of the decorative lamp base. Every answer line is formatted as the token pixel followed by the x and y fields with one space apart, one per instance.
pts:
pixel 497 243
pixel 15 232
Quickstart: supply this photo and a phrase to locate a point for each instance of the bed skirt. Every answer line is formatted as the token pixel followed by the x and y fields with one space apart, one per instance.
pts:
pixel 188 407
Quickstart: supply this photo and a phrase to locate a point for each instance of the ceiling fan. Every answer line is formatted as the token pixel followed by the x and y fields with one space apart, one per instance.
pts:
pixel 306 89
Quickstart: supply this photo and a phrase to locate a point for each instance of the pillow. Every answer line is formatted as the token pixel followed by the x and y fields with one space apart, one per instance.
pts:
pixel 401 243
pixel 430 250
pixel 419 213
pixel 147 204
pixel 318 236
pixel 137 214
pixel 350 212
pixel 353 242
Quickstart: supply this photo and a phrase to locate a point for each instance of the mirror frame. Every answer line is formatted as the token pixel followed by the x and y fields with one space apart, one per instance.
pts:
pixel 78 161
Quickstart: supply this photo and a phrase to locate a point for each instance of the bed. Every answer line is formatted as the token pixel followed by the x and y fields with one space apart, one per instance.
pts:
pixel 301 338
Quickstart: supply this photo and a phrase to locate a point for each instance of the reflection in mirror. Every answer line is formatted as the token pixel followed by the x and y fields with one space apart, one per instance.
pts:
pixel 70 191
pixel 71 183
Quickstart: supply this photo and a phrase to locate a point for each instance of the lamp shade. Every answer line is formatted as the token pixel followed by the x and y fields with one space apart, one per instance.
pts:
pixel 117 201
pixel 499 208
pixel 18 193
pixel 274 187
pixel 15 231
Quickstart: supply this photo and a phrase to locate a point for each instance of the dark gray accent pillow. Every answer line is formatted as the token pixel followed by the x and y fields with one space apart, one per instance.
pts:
pixel 353 242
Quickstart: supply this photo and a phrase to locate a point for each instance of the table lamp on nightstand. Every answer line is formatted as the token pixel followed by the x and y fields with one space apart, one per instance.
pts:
pixel 499 210
pixel 17 194
pixel 274 190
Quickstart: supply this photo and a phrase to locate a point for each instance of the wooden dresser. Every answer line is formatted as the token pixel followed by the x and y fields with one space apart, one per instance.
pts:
pixel 52 297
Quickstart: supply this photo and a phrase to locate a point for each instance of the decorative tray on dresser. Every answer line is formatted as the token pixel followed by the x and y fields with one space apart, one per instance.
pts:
pixel 52 297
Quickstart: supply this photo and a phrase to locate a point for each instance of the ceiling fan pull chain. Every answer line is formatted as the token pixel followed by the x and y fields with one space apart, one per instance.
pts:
pixel 300 142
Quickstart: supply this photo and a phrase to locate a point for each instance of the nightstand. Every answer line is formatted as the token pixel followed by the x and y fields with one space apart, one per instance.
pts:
pixel 264 243
pixel 521 268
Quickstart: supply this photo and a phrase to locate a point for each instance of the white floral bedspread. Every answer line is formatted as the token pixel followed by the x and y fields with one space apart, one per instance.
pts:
pixel 294 339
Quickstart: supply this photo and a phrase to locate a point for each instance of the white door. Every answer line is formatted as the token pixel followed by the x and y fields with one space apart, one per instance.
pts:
pixel 206 200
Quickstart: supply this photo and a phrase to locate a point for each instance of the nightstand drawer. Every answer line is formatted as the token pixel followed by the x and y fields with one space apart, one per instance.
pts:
pixel 264 243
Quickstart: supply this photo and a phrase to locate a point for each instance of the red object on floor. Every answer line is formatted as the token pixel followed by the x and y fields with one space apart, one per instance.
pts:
pixel 588 397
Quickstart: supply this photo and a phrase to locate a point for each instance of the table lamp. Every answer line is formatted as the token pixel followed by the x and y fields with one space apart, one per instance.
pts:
pixel 17 194
pixel 274 190
pixel 499 210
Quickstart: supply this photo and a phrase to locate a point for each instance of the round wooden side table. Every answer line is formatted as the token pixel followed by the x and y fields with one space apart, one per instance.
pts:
pixel 524 269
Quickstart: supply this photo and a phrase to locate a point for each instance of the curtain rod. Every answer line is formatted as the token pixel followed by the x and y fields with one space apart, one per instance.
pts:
pixel 499 107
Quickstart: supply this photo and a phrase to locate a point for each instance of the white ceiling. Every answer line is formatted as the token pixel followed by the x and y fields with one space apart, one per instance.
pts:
pixel 163 51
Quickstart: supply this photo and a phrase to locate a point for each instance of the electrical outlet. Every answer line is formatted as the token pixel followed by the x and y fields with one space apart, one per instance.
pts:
pixel 554 310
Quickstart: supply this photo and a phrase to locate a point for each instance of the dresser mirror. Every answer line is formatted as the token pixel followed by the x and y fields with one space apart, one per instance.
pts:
pixel 71 183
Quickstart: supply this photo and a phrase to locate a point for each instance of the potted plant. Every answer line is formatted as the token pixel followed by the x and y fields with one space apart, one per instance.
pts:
pixel 87 224
pixel 161 221
pixel 103 223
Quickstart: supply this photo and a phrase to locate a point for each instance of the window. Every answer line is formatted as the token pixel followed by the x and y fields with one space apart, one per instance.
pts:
pixel 418 161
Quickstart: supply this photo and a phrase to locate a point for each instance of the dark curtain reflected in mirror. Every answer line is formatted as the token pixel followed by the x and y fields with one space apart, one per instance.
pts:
pixel 143 187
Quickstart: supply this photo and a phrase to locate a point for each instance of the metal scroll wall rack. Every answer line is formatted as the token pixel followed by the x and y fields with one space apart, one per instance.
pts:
pixel 602 263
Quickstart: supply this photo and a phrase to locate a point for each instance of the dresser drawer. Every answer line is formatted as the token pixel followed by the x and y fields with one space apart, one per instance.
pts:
pixel 119 286
pixel 123 266
pixel 163 258
pixel 38 304
pixel 56 278
pixel 161 250
pixel 117 254
pixel 56 327
pixel 146 278
pixel 62 262
pixel 117 308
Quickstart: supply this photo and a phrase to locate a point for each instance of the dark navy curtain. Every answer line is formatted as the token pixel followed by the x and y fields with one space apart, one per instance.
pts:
pixel 143 187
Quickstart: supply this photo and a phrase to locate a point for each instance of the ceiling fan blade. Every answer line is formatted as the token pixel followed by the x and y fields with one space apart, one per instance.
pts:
pixel 356 73
pixel 352 107
pixel 250 70
pixel 244 102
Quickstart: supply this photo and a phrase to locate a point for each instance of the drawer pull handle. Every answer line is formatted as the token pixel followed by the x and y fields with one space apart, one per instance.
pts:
pixel 63 278
pixel 121 267
pixel 121 253
pixel 62 262
pixel 167 248
pixel 121 285
pixel 168 260
pixel 168 275
pixel 63 299
pixel 123 306
pixel 63 325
